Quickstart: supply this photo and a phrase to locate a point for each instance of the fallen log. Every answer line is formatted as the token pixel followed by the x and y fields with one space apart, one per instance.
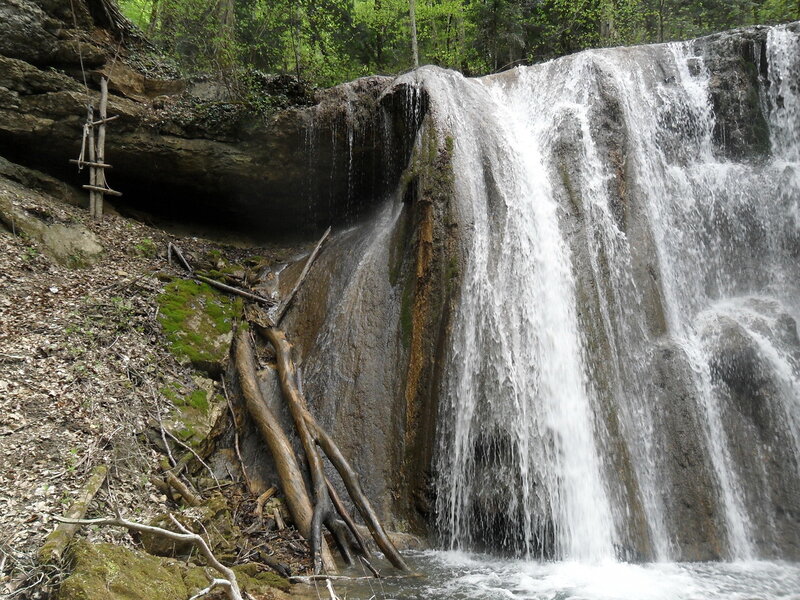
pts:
pixel 58 539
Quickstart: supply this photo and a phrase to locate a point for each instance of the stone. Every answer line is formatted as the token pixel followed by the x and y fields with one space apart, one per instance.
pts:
pixel 213 518
pixel 70 244
pixel 110 572
pixel 198 321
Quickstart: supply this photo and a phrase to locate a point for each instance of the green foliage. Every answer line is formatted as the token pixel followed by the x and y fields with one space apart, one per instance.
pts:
pixel 330 41
pixel 146 248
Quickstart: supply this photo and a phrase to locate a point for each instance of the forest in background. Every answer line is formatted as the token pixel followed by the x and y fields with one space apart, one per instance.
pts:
pixel 326 42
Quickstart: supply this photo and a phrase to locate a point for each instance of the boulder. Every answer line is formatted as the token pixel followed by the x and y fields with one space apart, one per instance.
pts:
pixel 109 572
pixel 70 244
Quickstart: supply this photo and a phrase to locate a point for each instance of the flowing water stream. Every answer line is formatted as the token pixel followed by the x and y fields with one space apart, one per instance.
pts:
pixel 609 229
pixel 624 381
pixel 623 384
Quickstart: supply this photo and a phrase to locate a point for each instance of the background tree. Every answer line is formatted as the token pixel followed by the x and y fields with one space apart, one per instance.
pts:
pixel 330 41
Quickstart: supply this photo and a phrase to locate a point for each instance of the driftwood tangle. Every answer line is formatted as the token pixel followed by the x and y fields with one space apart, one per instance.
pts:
pixel 309 511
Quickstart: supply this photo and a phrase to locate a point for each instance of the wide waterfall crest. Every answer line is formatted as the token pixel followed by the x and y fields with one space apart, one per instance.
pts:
pixel 625 366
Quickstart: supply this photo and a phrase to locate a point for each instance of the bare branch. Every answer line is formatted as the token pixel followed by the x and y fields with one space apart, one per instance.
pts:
pixel 188 495
pixel 330 590
pixel 215 583
pixel 232 588
pixel 312 257
pixel 234 290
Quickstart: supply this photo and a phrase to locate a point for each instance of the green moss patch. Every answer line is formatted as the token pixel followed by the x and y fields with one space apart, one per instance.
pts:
pixel 213 518
pixel 255 581
pixel 197 321
pixel 109 572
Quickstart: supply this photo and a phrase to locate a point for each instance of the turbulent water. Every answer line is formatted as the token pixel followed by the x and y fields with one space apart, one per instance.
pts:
pixel 458 576
pixel 624 381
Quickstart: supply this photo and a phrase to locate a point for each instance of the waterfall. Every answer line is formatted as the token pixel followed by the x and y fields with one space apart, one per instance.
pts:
pixel 624 379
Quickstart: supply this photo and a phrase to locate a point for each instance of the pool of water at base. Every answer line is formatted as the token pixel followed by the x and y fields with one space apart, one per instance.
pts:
pixel 462 576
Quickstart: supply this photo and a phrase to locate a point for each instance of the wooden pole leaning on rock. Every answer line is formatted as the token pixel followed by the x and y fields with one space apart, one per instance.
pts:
pixel 97 186
pixel 306 268
pixel 323 506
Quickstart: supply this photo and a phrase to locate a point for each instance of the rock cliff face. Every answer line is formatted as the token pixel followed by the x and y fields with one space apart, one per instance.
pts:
pixel 479 281
pixel 178 154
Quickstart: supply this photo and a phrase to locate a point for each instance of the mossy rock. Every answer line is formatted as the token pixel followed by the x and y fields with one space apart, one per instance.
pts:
pixel 196 409
pixel 213 518
pixel 252 579
pixel 109 572
pixel 198 321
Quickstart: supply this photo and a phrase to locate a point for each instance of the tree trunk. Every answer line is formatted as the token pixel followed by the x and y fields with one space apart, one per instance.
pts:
pixel 412 12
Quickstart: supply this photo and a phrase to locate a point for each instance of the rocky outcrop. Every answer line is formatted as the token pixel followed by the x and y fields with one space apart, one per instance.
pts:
pixel 177 154
pixel 738 67
pixel 110 572
pixel 70 244
pixel 371 324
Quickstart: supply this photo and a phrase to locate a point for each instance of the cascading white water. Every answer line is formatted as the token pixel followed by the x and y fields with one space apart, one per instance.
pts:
pixel 520 387
pixel 609 232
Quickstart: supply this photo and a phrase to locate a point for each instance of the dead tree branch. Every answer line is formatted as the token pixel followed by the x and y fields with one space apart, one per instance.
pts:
pixel 176 484
pixel 231 585
pixel 59 538
pixel 185 263
pixel 312 257
pixel 234 290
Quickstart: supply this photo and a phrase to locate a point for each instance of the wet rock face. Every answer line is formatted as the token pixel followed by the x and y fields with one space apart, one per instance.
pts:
pixel 737 63
pixel 752 394
pixel 370 327
pixel 694 520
